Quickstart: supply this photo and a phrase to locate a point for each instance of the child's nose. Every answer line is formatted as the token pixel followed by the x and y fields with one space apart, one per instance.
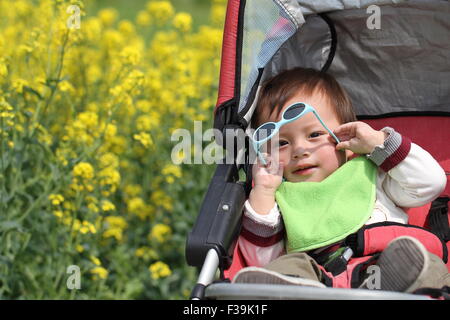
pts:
pixel 300 150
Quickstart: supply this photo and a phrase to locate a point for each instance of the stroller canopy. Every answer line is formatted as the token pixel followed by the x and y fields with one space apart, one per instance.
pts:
pixel 391 56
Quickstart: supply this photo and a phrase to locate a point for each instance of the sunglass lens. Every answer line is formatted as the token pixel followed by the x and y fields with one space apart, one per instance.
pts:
pixel 294 111
pixel 264 131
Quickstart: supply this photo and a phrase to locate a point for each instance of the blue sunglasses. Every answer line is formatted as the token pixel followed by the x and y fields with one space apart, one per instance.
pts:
pixel 268 130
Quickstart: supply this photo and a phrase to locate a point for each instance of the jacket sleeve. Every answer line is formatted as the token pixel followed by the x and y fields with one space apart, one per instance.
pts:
pixel 413 176
pixel 262 236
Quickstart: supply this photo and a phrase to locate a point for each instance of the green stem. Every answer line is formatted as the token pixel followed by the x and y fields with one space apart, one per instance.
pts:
pixel 53 88
pixel 38 201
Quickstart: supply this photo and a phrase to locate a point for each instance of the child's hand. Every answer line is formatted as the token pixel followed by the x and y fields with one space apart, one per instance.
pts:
pixel 268 177
pixel 358 137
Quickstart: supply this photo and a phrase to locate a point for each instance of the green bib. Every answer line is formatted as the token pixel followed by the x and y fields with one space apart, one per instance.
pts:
pixel 317 214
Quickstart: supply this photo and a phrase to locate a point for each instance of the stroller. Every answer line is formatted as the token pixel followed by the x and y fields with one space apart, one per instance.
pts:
pixel 392 57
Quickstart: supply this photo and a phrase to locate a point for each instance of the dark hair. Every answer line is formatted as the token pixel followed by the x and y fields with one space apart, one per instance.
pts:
pixel 279 89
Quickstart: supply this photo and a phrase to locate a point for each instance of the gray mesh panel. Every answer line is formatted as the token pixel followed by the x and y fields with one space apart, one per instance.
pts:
pixel 267 25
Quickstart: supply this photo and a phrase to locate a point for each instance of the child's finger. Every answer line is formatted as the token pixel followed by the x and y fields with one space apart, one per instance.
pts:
pixel 341 128
pixel 345 131
pixel 272 166
pixel 259 160
pixel 343 145
pixel 266 158
pixel 280 169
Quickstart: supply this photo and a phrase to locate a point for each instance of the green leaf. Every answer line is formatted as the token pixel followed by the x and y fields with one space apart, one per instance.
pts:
pixel 10 225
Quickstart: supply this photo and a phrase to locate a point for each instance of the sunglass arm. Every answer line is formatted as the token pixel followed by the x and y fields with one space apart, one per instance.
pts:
pixel 329 131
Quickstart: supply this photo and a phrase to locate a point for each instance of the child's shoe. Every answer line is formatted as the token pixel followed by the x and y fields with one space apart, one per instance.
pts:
pixel 406 265
pixel 265 276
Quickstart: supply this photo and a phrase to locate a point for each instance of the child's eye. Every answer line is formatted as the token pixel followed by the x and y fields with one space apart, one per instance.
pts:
pixel 316 134
pixel 281 143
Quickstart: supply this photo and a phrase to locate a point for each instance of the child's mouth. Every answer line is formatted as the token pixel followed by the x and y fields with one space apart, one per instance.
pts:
pixel 305 171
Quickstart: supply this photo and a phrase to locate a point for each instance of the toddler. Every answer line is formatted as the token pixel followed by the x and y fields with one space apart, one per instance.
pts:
pixel 309 196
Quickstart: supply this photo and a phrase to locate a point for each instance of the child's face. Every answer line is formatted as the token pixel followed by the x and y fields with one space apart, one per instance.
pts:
pixel 306 149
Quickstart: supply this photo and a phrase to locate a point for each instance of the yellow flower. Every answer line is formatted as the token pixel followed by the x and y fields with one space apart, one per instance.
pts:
pixel 69 206
pixel 140 252
pixel 5 109
pixel 93 73
pixel 108 206
pixel 130 55
pixel 160 11
pixel 58 213
pixel 108 16
pixel 95 260
pixel 113 232
pixel 91 227
pixel 138 207
pixel 109 160
pixel 18 85
pixel 159 270
pixel 160 232
pixel 209 38
pixel 126 27
pixel 183 21
pixel 171 169
pixel 170 180
pixel 135 205
pixel 99 272
pixel 143 105
pixel 83 170
pixel 56 199
pixel 87 227
pixel 76 224
pixel 3 68
pixel 133 190
pixel 19 128
pixel 114 227
pixel 217 15
pixel 143 18
pixel 146 253
pixel 148 122
pixel 110 132
pixel 66 86
pixel 116 222
pixel 159 198
pixel 86 121
pixel 109 177
pixel 92 28
pixel 113 39
pixel 132 84
pixel 144 138
pixel 91 199
pixel 92 206
pixel 79 248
